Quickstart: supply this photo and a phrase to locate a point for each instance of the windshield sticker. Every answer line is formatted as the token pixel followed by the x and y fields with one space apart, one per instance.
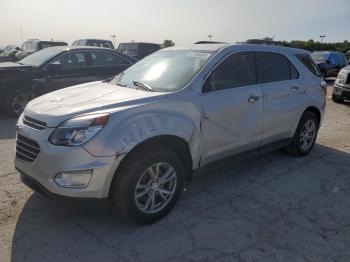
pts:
pixel 198 55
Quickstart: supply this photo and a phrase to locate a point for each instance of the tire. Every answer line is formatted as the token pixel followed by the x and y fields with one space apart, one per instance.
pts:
pixel 337 99
pixel 135 173
pixel 15 102
pixel 303 141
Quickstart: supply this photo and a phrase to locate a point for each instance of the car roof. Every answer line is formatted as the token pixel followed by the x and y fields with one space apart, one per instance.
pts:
pixel 93 39
pixel 75 47
pixel 216 47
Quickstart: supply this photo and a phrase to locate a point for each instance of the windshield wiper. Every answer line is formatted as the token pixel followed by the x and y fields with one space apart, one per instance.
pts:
pixel 142 85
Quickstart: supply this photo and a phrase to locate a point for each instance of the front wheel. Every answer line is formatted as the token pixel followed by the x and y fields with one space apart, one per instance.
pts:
pixel 148 185
pixel 15 102
pixel 305 135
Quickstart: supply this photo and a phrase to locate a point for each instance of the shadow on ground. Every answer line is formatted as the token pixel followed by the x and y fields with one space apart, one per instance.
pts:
pixel 7 127
pixel 274 207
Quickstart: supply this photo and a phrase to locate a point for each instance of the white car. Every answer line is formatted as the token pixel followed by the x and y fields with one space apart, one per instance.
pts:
pixel 135 139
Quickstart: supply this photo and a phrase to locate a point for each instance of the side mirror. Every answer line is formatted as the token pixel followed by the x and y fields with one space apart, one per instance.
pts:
pixel 17 48
pixel 54 67
pixel 328 62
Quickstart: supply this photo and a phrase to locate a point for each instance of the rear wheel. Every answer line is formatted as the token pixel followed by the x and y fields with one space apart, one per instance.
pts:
pixel 337 99
pixel 15 102
pixel 305 135
pixel 148 185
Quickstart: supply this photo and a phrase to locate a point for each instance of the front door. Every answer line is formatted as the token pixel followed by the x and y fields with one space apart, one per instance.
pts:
pixel 72 68
pixel 232 108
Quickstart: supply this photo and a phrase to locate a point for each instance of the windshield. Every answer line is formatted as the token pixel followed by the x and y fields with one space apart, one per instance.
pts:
pixel 40 57
pixel 320 57
pixel 165 70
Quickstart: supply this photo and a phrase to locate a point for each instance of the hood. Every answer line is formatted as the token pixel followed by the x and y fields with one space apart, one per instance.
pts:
pixel 58 106
pixel 11 66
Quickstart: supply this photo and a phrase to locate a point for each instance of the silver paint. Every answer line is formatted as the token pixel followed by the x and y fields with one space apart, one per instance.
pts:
pixel 214 125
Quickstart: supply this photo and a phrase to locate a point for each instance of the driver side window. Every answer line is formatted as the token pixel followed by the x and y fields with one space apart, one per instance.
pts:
pixel 72 60
pixel 235 71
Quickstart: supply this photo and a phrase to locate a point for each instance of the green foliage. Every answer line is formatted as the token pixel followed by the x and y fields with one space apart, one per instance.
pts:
pixel 167 43
pixel 310 45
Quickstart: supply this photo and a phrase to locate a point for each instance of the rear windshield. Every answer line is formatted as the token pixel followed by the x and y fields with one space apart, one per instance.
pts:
pixel 309 64
pixel 320 57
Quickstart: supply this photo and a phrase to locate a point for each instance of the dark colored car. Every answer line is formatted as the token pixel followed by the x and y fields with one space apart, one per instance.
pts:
pixel 341 88
pixel 33 45
pixel 329 62
pixel 94 42
pixel 138 50
pixel 55 68
pixel 8 53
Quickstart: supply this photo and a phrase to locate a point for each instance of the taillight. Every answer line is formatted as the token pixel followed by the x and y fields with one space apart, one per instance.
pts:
pixel 324 87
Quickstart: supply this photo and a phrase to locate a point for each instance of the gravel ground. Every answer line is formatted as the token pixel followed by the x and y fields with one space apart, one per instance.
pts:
pixel 271 208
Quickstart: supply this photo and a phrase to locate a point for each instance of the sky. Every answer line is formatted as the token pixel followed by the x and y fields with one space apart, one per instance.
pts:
pixel 184 22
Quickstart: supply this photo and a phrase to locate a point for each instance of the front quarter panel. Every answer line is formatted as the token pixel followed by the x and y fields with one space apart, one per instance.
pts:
pixel 128 128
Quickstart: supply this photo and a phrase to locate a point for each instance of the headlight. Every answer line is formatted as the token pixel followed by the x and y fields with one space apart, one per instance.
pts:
pixel 77 131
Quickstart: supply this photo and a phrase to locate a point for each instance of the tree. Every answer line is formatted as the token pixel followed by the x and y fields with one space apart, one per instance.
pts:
pixel 167 43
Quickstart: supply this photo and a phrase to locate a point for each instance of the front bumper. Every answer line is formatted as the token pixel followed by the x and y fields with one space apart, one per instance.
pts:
pixel 343 91
pixel 53 160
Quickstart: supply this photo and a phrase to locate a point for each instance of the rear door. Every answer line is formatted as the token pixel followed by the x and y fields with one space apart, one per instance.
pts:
pixel 283 90
pixel 107 64
pixel 232 108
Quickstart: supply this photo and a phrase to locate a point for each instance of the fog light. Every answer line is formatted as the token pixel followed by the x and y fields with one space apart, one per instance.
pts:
pixel 74 179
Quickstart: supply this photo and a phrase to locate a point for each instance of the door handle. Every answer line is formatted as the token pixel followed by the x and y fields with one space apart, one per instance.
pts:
pixel 295 88
pixel 253 99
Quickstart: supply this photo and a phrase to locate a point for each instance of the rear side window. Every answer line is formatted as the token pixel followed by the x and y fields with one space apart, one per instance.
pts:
pixel 274 67
pixel 235 71
pixel 102 58
pixel 120 61
pixel 309 63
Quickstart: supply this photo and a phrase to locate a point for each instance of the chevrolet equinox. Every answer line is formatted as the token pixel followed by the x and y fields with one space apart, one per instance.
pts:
pixel 135 139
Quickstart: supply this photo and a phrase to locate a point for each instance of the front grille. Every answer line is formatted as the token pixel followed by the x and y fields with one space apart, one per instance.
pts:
pixel 26 149
pixel 36 124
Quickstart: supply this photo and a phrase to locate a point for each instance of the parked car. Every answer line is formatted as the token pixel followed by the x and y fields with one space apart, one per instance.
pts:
pixel 94 42
pixel 329 62
pixel 55 68
pixel 341 88
pixel 8 53
pixel 135 139
pixel 33 45
pixel 138 50
pixel 347 54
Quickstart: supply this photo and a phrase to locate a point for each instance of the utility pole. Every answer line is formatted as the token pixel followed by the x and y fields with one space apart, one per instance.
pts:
pixel 322 36
pixel 113 37
pixel 21 33
pixel 210 37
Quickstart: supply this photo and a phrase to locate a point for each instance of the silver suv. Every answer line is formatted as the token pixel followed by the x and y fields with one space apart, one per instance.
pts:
pixel 136 139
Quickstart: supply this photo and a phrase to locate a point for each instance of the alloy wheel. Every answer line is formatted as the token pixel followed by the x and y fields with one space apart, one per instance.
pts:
pixel 155 188
pixel 307 135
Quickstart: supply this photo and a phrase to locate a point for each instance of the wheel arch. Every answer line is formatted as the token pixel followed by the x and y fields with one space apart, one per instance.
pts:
pixel 316 111
pixel 173 142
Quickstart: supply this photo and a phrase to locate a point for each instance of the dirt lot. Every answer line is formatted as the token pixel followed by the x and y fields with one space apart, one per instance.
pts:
pixel 271 208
